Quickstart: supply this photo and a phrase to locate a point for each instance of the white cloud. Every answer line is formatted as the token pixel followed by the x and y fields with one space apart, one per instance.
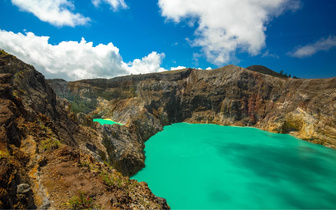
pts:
pixel 177 68
pixel 209 68
pixel 55 12
pixel 226 26
pixel 147 64
pixel 73 60
pixel 310 49
pixel 115 4
pixel 268 54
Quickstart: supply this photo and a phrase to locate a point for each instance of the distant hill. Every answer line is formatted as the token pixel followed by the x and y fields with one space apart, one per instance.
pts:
pixel 265 70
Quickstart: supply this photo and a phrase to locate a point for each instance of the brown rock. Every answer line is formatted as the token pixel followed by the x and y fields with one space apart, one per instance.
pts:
pixel 44 158
pixel 230 95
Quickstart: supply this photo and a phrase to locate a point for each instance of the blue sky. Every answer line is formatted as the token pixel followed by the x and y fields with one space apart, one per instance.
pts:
pixel 107 38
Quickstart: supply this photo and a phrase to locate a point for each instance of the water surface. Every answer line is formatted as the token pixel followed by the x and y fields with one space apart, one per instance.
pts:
pixel 106 121
pixel 210 166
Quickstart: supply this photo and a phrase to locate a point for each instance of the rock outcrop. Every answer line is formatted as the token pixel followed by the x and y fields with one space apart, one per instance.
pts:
pixel 230 95
pixel 53 158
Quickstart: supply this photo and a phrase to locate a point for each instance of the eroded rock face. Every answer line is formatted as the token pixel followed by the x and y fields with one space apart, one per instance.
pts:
pixel 41 140
pixel 230 95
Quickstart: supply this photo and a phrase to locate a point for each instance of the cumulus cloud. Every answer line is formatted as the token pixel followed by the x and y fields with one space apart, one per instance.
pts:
pixel 177 68
pixel 226 26
pixel 55 12
pixel 209 68
pixel 310 49
pixel 73 60
pixel 147 64
pixel 115 4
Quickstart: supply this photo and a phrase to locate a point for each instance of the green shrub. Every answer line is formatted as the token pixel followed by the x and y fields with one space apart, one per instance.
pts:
pixel 107 179
pixel 89 165
pixel 84 164
pixel 50 144
pixel 81 201
pixel 113 180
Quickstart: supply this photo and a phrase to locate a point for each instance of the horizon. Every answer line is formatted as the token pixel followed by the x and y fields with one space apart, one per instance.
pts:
pixel 76 40
pixel 182 69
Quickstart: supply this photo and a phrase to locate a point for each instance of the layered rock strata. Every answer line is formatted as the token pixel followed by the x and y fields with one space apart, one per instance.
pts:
pixel 53 158
pixel 230 95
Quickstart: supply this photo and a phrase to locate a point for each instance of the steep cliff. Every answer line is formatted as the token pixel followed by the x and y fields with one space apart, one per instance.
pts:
pixel 230 95
pixel 50 157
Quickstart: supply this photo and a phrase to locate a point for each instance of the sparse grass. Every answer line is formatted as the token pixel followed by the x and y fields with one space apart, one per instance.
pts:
pixel 50 144
pixel 113 179
pixel 46 129
pixel 79 104
pixel 107 179
pixel 145 203
pixel 81 201
pixel 84 164
pixel 119 182
pixel 2 52
pixel 19 74
pixel 132 90
pixel 89 165
pixel 15 94
pixel 131 184
pixel 107 164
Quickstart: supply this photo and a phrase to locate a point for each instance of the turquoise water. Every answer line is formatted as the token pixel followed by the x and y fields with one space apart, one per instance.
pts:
pixel 106 121
pixel 197 166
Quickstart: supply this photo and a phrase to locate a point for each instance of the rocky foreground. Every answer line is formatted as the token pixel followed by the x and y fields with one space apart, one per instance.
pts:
pixel 52 158
pixel 230 95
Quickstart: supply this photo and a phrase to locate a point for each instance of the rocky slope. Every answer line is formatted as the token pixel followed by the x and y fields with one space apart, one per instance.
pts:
pixel 53 158
pixel 230 95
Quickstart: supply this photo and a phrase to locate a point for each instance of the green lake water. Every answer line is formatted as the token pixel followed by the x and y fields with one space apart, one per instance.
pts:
pixel 106 121
pixel 197 166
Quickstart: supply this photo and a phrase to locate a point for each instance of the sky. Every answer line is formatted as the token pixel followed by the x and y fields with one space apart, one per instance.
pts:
pixel 82 39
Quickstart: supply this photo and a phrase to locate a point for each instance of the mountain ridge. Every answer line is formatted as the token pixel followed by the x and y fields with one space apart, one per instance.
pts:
pixel 265 70
pixel 230 95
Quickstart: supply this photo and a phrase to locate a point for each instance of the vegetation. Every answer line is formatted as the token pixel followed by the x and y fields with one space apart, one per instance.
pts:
pixel 81 201
pixel 113 179
pixel 265 70
pixel 133 90
pixel 91 166
pixel 50 144
pixel 84 164
pixel 107 178
pixel 288 76
pixel 79 104
pixel 107 164
pixel 2 52
pixel 96 115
